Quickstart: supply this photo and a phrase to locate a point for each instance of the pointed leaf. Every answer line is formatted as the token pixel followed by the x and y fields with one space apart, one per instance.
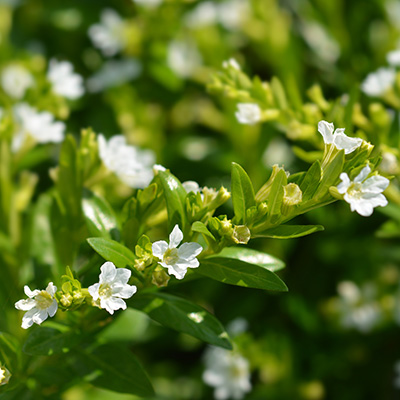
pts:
pixel 99 216
pixel 200 227
pixel 183 316
pixel 253 257
pixel 311 181
pixel 289 231
pixel 114 368
pixel 242 193
pixel 240 273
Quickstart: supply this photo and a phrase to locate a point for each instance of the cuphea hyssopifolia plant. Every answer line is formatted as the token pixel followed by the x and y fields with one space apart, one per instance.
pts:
pixel 138 261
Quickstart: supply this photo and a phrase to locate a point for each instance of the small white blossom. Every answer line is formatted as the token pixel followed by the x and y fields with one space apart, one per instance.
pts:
pixel 38 125
pixel 231 63
pixel 108 35
pixel 338 137
pixel 357 306
pixel 15 80
pixel 65 82
pixel 204 14
pixel 393 58
pixel 132 165
pixel 5 376
pixel 183 57
pixel 177 260
pixel 191 186
pixel 378 82
pixel 389 164
pixel 248 113
pixel 112 288
pixel 364 194
pixel 114 73
pixel 40 305
pixel 231 13
pixel 228 372
pixel 148 3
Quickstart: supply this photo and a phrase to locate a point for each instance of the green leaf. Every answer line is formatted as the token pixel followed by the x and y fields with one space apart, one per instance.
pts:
pixel 115 368
pixel 275 197
pixel 9 350
pixel 175 196
pixel 48 341
pixel 253 257
pixel 99 216
pixel 240 273
pixel 242 193
pixel 311 181
pixel 330 175
pixel 183 316
pixel 289 231
pixel 113 251
pixel 200 227
pixel 279 93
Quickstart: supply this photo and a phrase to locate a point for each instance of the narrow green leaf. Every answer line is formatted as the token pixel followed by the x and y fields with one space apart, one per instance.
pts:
pixel 200 227
pixel 331 174
pixel 276 194
pixel 253 257
pixel 279 93
pixel 311 181
pixel 99 216
pixel 289 231
pixel 175 196
pixel 240 273
pixel 9 350
pixel 242 193
pixel 48 341
pixel 115 368
pixel 113 251
pixel 183 316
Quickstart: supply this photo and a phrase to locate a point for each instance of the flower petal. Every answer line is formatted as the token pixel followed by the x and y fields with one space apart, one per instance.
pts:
pixel 27 320
pixel 344 185
pixel 112 304
pixel 326 130
pixel 25 305
pixel 178 271
pixel 363 174
pixel 124 291
pixel 189 250
pixel 108 272
pixel 375 184
pixel 362 207
pixel 29 292
pixel 175 237
pixel 346 143
pixel 375 199
pixel 122 275
pixel 39 316
pixel 51 289
pixel 94 291
pixel 194 263
pixel 159 248
pixel 53 308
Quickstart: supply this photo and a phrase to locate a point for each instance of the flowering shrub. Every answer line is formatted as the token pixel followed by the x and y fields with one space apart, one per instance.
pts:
pixel 161 162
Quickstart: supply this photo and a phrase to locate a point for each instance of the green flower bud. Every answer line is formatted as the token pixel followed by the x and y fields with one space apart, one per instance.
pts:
pixel 5 375
pixel 160 278
pixel 241 234
pixel 292 195
pixel 66 300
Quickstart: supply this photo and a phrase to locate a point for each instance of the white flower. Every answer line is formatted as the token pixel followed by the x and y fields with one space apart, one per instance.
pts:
pixel 114 73
pixel 231 13
pixel 357 307
pixel 112 287
pixel 39 125
pixel 132 165
pixel 393 58
pixel 65 82
pixel 15 80
pixel 5 376
pixel 248 113
pixel 378 82
pixel 148 3
pixel 231 63
pixel 177 260
pixel 338 138
pixel 183 57
pixel 108 35
pixel 40 305
pixel 364 194
pixel 191 186
pixel 228 372
pixel 204 14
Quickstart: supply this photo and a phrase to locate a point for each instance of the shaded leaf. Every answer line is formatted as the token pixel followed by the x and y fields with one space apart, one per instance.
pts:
pixel 289 231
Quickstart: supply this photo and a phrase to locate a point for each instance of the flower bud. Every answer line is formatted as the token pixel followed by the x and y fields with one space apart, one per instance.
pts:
pixel 292 195
pixel 264 191
pixel 241 234
pixel 5 376
pixel 160 278
pixel 66 300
